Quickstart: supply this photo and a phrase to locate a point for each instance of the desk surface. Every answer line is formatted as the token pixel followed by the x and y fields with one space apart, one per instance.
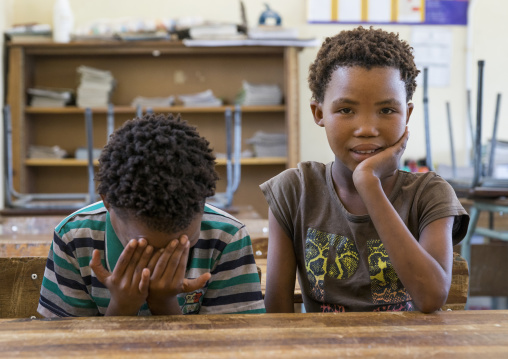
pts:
pixel 388 334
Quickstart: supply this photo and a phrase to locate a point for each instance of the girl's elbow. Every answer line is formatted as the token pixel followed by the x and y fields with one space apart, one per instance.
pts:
pixel 432 303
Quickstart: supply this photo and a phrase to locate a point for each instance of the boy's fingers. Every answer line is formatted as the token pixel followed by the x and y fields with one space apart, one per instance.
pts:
pixel 142 263
pixel 153 261
pixel 180 266
pixel 190 285
pixel 144 283
pixel 100 272
pixel 178 261
pixel 125 257
pixel 164 259
pixel 138 252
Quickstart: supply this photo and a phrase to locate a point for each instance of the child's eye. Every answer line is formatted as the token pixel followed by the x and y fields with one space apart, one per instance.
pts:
pixel 387 111
pixel 345 111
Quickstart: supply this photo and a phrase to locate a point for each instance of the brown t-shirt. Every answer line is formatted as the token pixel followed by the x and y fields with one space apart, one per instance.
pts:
pixel 342 264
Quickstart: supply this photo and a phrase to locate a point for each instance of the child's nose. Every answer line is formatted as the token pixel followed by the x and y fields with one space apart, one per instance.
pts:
pixel 366 127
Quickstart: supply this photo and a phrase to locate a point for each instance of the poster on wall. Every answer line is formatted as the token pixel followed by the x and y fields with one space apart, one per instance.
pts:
pixel 412 12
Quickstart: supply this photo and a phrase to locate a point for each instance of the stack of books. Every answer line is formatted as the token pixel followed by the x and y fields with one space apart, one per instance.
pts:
pixel 49 97
pixel 215 31
pixel 259 95
pixel 151 102
pixel 269 144
pixel 46 152
pixel 95 87
pixel 267 32
pixel 200 99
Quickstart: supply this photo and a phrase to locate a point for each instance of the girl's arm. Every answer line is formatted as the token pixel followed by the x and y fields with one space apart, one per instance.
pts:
pixel 281 269
pixel 424 267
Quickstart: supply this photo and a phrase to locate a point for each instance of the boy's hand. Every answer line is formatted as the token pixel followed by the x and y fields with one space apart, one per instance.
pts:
pixel 385 163
pixel 129 281
pixel 168 268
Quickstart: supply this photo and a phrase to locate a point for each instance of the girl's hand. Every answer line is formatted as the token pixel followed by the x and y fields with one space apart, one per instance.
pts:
pixel 129 281
pixel 384 164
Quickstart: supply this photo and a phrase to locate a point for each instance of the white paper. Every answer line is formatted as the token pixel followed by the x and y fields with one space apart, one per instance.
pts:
pixel 433 49
pixel 380 11
pixel 350 10
pixel 319 10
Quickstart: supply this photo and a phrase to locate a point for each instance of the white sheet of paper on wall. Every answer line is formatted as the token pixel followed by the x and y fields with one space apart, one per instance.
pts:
pixel 433 49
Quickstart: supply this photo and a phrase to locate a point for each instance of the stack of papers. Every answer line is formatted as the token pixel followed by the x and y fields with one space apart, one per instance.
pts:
pixel 215 31
pixel 153 101
pixel 200 99
pixel 259 95
pixel 269 144
pixel 46 152
pixel 45 97
pixel 95 87
pixel 273 32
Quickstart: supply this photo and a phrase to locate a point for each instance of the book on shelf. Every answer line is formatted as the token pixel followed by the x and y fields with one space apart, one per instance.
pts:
pixel 95 87
pixel 259 94
pixel 311 42
pixel 272 32
pixel 215 31
pixel 200 99
pixel 45 152
pixel 28 33
pixel 268 144
pixel 153 101
pixel 50 97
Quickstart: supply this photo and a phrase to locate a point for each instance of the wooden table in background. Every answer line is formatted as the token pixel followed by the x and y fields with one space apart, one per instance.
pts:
pixel 461 334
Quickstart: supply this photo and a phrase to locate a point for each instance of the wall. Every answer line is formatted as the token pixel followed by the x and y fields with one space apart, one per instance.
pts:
pixel 485 43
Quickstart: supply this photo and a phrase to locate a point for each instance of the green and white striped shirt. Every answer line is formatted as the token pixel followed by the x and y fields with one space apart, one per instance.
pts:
pixel 224 249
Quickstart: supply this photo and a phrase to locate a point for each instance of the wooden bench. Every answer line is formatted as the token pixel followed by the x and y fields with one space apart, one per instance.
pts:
pixel 21 278
pixel 25 246
pixel 20 285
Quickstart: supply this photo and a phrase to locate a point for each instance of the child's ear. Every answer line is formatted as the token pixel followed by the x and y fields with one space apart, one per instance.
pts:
pixel 106 203
pixel 410 107
pixel 317 112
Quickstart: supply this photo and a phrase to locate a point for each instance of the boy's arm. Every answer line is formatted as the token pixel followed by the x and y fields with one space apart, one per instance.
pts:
pixel 423 266
pixel 281 269
pixel 234 286
pixel 64 292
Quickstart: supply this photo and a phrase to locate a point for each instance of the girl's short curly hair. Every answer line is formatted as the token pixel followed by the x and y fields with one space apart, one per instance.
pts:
pixel 159 170
pixel 366 48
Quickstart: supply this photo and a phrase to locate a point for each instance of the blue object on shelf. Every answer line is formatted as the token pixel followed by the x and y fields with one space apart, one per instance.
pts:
pixel 267 14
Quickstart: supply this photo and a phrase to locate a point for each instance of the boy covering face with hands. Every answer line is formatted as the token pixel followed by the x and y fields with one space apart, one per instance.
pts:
pixel 152 245
pixel 361 234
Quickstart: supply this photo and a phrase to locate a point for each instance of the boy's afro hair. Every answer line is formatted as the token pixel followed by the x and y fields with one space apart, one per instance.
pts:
pixel 159 170
pixel 366 48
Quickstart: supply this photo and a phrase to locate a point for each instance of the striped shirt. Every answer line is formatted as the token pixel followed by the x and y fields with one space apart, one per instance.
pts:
pixel 224 249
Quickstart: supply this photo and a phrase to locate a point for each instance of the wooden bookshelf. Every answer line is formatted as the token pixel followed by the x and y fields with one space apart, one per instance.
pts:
pixel 159 68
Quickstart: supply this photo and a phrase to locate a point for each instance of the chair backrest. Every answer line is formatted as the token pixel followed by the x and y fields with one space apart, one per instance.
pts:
pixel 457 297
pixel 20 285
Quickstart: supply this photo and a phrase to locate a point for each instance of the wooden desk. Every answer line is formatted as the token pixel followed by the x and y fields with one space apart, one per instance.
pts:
pixel 460 334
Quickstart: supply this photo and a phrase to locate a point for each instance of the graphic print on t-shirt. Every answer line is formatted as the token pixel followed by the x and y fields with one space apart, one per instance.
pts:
pixel 385 284
pixel 328 254
pixel 335 256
